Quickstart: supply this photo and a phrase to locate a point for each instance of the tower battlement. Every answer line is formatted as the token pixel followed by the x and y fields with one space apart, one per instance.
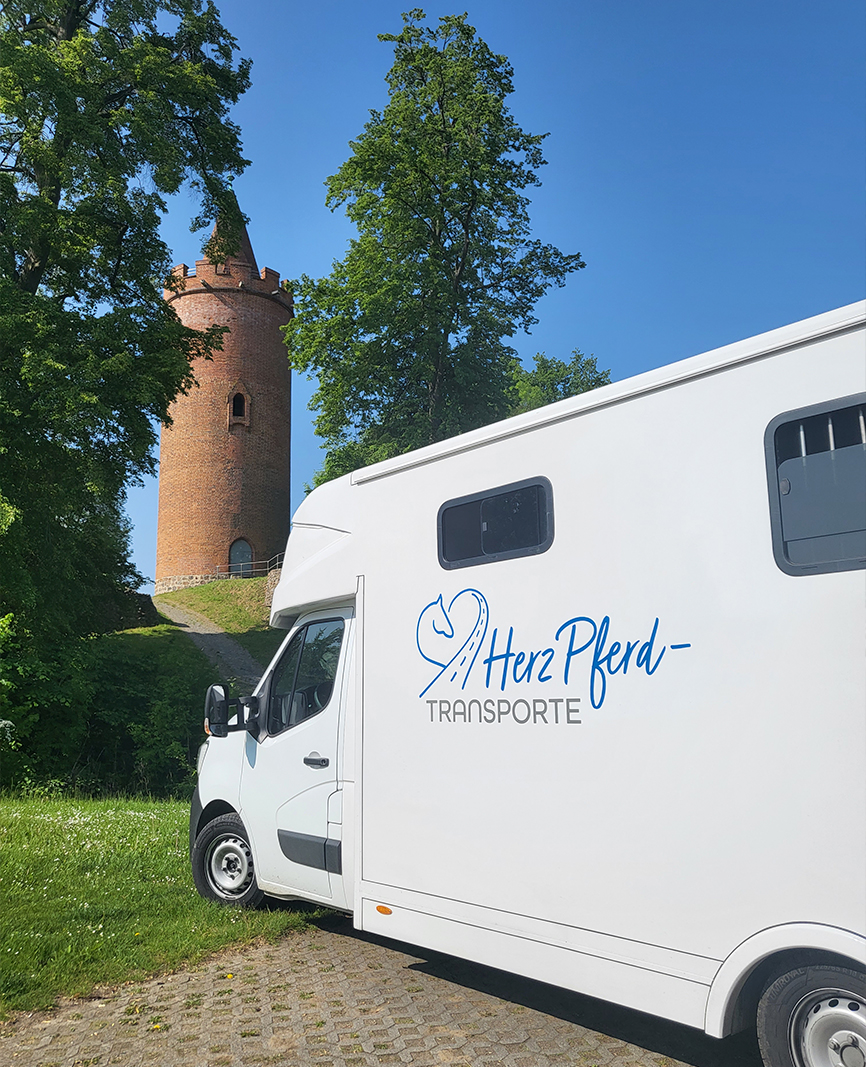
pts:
pixel 233 274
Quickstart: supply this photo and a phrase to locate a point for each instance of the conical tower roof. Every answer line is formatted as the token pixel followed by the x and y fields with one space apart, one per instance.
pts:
pixel 245 253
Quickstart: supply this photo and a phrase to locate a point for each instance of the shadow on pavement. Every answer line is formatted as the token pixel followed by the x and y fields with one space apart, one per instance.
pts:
pixel 656 1035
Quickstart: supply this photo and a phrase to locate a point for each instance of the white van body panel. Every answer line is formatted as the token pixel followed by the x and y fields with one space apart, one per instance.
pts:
pixel 219 771
pixel 651 990
pixel 633 763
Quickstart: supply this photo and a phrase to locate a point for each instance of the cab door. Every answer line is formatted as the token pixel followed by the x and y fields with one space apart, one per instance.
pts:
pixel 290 770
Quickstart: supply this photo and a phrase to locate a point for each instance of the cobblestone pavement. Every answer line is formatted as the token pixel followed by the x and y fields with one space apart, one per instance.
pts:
pixel 230 658
pixel 331 997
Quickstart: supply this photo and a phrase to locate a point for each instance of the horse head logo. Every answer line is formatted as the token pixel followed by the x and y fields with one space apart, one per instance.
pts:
pixel 450 638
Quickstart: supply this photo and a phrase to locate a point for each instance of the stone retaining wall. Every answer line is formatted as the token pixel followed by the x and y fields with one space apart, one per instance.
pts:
pixel 271 585
pixel 186 581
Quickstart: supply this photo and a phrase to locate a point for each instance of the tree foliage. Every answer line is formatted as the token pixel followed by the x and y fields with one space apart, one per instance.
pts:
pixel 551 379
pixel 107 107
pixel 407 333
pixel 126 715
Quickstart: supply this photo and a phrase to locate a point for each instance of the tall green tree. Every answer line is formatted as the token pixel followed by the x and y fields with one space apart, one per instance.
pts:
pixel 407 334
pixel 107 107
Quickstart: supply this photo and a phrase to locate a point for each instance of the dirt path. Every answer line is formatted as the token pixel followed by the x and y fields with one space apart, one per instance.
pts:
pixel 231 659
pixel 332 997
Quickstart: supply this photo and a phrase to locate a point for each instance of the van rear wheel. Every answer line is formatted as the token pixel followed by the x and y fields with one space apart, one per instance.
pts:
pixel 222 863
pixel 814 1016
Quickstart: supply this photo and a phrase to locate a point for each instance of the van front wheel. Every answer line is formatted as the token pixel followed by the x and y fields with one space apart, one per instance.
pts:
pixel 222 864
pixel 814 1016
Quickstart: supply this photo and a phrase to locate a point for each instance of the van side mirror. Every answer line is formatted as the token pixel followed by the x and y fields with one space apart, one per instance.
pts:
pixel 216 712
pixel 217 708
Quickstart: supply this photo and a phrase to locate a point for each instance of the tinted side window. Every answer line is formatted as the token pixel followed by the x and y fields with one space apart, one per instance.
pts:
pixel 816 466
pixel 303 681
pixel 503 523
pixel 460 531
pixel 511 521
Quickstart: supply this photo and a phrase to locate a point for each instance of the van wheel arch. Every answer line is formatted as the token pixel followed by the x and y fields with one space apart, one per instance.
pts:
pixel 743 1010
pixel 212 811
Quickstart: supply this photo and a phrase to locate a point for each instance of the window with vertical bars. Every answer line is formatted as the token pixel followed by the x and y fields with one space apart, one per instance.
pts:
pixel 816 465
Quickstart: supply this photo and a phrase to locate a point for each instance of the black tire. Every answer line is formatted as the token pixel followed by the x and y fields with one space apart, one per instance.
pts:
pixel 222 864
pixel 814 1016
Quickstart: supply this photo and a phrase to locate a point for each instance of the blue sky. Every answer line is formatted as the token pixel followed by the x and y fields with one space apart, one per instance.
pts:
pixel 706 159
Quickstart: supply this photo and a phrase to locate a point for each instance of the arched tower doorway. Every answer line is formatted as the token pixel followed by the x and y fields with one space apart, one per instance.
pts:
pixel 241 558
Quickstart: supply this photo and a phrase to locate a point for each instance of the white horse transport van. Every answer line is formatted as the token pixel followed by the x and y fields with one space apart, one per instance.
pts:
pixel 581 695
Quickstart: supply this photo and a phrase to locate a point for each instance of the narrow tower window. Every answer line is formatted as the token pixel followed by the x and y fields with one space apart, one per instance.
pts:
pixel 241 558
pixel 238 405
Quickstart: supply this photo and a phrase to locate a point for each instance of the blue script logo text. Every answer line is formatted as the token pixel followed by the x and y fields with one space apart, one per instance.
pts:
pixel 452 638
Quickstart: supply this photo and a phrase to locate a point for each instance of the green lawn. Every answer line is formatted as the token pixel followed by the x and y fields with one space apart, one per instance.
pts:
pixel 238 606
pixel 99 892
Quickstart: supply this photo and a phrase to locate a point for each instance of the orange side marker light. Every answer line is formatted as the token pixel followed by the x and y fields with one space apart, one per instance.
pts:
pixel 383 910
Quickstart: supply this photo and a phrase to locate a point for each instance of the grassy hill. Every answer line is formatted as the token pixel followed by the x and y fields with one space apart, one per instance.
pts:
pixel 239 608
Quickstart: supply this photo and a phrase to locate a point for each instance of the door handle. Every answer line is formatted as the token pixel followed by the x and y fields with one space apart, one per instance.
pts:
pixel 315 760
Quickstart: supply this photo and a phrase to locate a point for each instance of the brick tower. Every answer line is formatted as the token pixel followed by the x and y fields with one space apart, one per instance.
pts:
pixel 224 461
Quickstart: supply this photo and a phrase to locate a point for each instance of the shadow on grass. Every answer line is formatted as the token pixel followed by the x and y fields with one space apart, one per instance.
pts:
pixel 314 914
pixel 648 1032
